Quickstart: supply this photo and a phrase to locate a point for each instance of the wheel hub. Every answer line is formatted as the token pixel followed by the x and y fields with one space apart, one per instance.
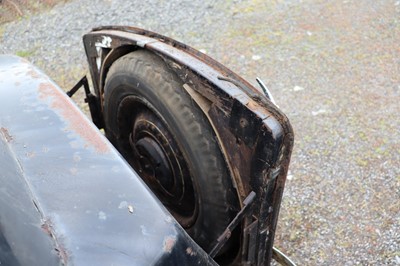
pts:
pixel 161 164
pixel 154 162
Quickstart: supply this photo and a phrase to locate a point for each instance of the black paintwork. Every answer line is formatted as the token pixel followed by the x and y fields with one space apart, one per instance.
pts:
pixel 67 196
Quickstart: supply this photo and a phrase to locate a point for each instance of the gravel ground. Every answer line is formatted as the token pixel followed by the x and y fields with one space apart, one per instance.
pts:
pixel 333 67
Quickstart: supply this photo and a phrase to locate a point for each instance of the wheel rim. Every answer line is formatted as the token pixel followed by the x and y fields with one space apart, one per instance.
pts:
pixel 157 157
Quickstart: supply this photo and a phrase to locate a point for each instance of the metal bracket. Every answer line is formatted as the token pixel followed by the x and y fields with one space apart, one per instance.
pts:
pixel 250 243
pixel 223 238
pixel 82 82
pixel 91 100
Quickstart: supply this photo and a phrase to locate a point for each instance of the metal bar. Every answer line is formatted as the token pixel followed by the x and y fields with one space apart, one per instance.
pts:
pixel 281 258
pixel 81 82
pixel 265 90
pixel 223 238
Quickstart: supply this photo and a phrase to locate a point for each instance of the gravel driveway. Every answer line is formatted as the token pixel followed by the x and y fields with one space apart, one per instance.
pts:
pixel 333 67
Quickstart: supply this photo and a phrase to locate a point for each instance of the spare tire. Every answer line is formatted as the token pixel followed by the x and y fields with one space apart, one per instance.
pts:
pixel 167 139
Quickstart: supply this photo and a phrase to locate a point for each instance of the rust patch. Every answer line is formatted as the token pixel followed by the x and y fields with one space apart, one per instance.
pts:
pixel 33 74
pixel 169 243
pixel 62 254
pixel 47 227
pixel 258 109
pixel 73 119
pixel 6 135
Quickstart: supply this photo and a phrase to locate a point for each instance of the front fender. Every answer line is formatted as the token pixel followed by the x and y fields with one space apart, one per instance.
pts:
pixel 67 196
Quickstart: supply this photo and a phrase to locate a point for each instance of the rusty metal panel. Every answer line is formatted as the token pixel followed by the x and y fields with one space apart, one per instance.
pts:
pixel 78 201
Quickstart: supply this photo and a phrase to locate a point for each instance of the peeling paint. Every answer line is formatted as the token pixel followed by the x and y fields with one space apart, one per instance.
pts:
pixel 6 134
pixel 105 42
pixel 169 243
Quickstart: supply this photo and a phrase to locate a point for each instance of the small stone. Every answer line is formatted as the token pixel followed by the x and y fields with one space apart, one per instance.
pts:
pixel 318 112
pixel 298 88
pixel 256 57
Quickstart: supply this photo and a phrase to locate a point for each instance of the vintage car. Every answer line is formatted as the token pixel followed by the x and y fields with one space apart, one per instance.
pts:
pixel 184 164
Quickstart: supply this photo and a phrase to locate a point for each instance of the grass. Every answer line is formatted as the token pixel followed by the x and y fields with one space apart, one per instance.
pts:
pixel 2 30
pixel 25 54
